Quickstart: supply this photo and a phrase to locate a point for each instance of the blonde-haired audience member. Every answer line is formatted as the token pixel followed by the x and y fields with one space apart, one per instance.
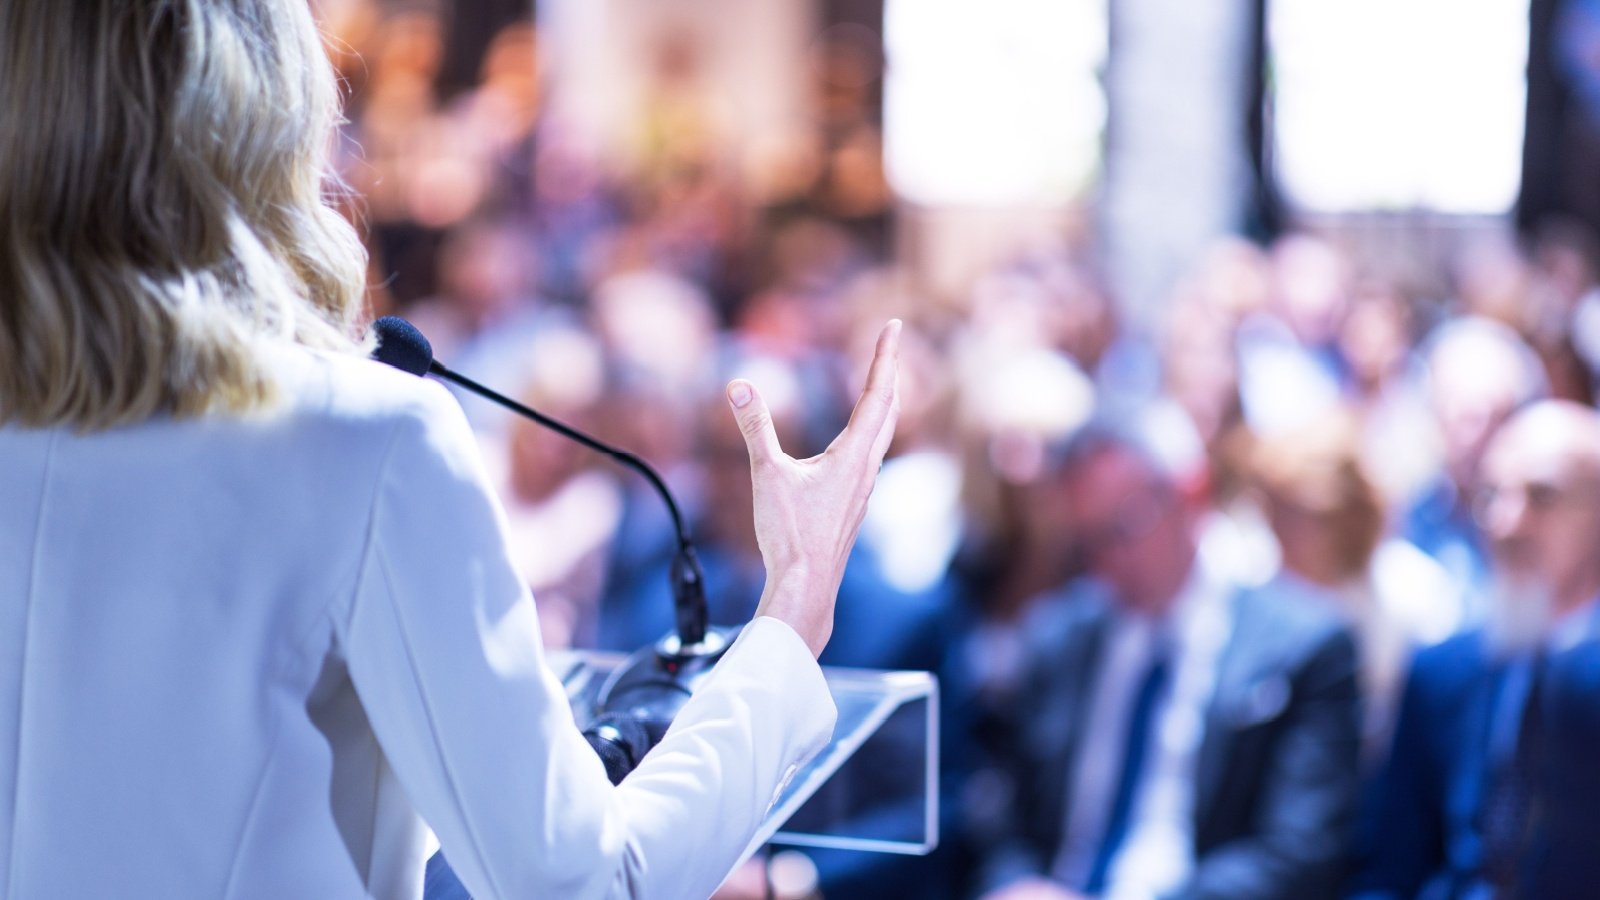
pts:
pixel 1329 520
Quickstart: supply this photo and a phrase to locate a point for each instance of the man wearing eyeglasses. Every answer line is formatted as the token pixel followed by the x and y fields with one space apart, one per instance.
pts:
pixel 1492 788
pixel 1178 736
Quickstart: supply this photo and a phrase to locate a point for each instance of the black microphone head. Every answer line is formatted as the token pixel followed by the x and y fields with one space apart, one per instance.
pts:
pixel 401 345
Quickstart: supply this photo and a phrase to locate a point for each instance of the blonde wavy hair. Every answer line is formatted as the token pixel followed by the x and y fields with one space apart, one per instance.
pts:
pixel 163 169
pixel 1318 471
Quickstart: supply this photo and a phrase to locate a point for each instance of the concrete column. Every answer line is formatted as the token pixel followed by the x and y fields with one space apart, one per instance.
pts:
pixel 1177 167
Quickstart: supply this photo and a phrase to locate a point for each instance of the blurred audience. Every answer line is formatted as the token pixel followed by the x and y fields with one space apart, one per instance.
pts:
pixel 562 501
pixel 1479 372
pixel 1386 389
pixel 1337 418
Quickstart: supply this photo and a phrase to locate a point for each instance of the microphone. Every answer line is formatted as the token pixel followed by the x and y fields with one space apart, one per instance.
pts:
pixel 401 345
pixel 640 698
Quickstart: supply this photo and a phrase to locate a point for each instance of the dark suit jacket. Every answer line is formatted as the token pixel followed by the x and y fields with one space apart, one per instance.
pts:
pixel 1421 834
pixel 1278 766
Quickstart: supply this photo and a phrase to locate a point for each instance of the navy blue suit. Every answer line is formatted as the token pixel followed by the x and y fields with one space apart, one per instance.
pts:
pixel 1277 774
pixel 1423 834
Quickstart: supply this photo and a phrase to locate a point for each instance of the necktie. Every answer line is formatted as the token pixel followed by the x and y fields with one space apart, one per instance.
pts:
pixel 1511 810
pixel 1137 745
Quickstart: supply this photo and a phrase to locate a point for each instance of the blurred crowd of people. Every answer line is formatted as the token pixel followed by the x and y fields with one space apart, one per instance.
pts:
pixel 1224 542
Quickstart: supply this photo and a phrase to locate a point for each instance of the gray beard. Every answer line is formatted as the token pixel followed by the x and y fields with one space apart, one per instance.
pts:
pixel 1519 614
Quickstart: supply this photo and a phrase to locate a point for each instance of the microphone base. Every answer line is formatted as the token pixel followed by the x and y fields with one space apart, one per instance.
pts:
pixel 653 683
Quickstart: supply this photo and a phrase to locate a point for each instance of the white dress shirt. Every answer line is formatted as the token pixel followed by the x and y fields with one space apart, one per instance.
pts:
pixel 1157 854
pixel 252 656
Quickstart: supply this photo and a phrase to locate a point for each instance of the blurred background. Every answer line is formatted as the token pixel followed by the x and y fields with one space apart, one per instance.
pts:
pixel 1277 216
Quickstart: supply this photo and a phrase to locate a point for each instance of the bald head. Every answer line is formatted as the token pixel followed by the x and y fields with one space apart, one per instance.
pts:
pixel 1556 436
pixel 1479 372
pixel 1539 501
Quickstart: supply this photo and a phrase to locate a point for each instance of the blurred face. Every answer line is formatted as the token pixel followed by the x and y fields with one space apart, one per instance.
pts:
pixel 1539 505
pixel 1133 528
pixel 1374 339
pixel 1472 394
pixel 1311 288
pixel 1200 373
pixel 542 461
pixel 1305 539
pixel 484 271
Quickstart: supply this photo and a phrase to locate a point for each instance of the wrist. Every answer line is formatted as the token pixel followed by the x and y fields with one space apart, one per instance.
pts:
pixel 803 600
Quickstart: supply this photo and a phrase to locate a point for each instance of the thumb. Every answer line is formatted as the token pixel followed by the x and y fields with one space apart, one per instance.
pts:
pixel 755 422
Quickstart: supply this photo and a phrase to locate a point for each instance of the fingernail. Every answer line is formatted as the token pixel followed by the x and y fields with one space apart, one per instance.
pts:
pixel 739 393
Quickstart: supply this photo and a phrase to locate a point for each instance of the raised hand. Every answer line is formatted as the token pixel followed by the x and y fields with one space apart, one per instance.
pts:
pixel 808 511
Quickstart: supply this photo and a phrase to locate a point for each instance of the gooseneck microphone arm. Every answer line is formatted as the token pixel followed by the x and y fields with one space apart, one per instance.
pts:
pixel 401 345
pixel 639 699
pixel 688 581
pixel 631 460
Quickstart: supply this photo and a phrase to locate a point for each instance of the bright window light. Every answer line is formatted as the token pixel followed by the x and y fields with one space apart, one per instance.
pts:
pixel 1399 104
pixel 993 103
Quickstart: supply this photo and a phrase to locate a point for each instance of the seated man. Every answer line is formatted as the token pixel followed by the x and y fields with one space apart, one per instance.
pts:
pixel 1493 788
pixel 1177 736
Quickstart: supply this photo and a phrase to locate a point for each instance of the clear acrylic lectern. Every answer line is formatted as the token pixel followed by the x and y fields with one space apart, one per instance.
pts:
pixel 873 787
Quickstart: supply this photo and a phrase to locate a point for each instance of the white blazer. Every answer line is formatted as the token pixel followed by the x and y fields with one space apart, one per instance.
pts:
pixel 252 656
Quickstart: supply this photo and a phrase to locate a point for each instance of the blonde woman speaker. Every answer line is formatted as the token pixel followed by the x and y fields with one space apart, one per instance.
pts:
pixel 258 626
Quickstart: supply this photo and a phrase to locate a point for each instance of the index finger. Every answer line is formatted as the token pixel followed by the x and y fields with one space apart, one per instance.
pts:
pixel 876 404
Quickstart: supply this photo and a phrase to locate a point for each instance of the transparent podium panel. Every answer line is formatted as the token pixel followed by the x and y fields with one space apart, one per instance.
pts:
pixel 873 787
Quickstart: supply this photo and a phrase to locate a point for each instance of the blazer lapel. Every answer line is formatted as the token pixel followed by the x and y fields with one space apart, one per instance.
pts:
pixel 1057 735
pixel 1249 691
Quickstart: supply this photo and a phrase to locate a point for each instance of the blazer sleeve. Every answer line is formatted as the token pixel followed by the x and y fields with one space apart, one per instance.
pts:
pixel 442 644
pixel 1298 846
